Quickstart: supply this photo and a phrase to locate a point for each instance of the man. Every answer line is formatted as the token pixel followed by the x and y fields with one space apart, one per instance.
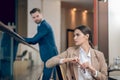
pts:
pixel 45 38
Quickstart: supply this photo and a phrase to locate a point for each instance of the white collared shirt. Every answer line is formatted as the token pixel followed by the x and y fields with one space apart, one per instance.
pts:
pixel 40 23
pixel 84 74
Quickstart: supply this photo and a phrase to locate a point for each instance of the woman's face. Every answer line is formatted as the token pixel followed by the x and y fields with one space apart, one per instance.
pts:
pixel 80 38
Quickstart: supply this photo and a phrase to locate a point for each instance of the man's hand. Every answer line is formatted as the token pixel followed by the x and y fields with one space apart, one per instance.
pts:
pixel 8 27
pixel 2 24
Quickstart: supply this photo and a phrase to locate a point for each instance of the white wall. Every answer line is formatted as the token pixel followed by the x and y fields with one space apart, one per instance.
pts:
pixel 114 29
pixel 52 14
pixel 32 27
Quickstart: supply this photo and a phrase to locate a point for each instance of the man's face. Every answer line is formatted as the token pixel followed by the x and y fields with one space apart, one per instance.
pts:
pixel 37 17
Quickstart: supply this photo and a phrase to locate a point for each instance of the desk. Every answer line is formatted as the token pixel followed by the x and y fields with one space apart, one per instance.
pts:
pixel 114 77
pixel 111 70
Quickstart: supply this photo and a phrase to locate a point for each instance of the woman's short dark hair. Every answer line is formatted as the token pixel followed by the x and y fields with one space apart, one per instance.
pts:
pixel 86 30
pixel 35 10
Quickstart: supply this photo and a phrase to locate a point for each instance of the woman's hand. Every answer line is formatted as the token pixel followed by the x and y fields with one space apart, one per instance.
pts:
pixel 71 60
pixel 87 65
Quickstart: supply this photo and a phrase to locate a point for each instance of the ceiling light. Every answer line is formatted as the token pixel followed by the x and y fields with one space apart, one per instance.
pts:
pixel 74 9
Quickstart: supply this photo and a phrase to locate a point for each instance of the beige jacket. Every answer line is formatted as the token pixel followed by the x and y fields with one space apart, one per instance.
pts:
pixel 97 61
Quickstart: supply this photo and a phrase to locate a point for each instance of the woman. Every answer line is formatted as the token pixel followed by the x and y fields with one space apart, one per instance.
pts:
pixel 82 61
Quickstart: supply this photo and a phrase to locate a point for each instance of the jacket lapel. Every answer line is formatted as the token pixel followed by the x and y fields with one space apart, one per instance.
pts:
pixel 94 60
pixel 76 53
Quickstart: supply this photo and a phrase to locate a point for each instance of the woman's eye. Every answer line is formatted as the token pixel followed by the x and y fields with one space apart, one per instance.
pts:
pixel 77 34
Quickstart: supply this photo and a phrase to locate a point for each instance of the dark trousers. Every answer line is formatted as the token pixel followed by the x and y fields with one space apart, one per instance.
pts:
pixel 49 73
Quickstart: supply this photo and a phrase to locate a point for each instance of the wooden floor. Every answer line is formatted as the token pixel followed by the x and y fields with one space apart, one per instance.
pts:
pixel 30 67
pixel 24 71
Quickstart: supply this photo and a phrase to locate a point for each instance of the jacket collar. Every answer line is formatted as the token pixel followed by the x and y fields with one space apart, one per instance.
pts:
pixel 92 53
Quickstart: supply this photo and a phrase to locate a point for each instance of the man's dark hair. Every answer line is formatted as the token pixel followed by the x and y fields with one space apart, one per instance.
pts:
pixel 35 10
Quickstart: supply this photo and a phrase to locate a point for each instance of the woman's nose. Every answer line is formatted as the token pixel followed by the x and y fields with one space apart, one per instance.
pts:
pixel 75 37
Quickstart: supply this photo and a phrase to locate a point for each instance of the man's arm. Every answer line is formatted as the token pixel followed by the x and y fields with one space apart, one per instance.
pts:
pixel 41 32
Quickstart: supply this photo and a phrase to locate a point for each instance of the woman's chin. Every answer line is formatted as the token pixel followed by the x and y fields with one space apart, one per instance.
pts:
pixel 76 44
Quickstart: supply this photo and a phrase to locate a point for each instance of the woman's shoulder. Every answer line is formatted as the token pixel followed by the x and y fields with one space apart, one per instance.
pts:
pixel 72 48
pixel 99 53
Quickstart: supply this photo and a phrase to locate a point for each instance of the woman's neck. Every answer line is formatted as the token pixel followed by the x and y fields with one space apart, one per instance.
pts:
pixel 86 47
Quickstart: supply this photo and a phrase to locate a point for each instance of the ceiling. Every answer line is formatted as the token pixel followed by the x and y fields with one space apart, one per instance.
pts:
pixel 81 4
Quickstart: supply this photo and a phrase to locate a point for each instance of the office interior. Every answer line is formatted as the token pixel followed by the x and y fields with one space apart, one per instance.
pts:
pixel 102 16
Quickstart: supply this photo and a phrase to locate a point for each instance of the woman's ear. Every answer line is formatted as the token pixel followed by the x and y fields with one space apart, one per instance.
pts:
pixel 87 36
